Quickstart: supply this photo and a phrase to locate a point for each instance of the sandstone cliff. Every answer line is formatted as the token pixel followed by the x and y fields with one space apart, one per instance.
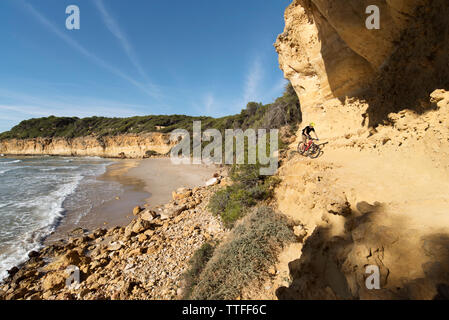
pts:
pixel 327 52
pixel 378 195
pixel 129 146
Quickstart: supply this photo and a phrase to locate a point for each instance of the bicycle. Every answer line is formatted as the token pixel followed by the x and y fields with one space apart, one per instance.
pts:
pixel 309 149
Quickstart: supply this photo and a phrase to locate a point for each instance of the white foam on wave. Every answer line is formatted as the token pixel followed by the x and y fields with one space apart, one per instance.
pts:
pixel 9 162
pixel 43 210
pixel 47 210
pixel 9 169
pixel 59 168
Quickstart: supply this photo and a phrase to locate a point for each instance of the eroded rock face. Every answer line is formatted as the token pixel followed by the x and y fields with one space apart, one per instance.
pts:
pixel 327 52
pixel 124 146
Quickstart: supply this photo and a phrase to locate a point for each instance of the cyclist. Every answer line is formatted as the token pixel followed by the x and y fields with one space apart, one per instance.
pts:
pixel 306 133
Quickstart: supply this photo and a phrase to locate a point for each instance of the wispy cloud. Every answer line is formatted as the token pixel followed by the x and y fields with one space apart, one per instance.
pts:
pixel 74 44
pixel 81 111
pixel 114 28
pixel 253 80
pixel 209 103
pixel 278 88
pixel 31 106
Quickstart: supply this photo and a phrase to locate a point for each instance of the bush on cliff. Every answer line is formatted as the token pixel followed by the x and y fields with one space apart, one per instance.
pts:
pixel 249 187
pixel 251 248
pixel 197 264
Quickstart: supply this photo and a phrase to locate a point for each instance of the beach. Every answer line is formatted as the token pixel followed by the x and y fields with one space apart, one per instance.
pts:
pixel 123 254
pixel 146 183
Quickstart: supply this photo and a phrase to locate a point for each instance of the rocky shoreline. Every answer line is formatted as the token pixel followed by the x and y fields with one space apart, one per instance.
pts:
pixel 144 260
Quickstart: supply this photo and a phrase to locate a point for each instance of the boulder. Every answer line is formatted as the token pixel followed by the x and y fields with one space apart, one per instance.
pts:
pixel 33 254
pixel 173 211
pixel 99 232
pixel 148 215
pixel 54 281
pixel 72 257
pixel 141 225
pixel 137 210
pixel 142 237
pixel 181 193
pixel 114 246
pixel 13 271
pixel 212 182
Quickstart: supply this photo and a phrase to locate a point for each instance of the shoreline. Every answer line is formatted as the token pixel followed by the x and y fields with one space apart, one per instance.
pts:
pixel 110 213
pixel 144 259
pixel 145 183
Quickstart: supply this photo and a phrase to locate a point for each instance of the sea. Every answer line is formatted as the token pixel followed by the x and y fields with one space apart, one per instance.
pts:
pixel 37 192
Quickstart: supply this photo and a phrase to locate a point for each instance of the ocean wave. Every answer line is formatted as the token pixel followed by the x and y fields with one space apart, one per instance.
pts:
pixel 46 212
pixel 7 170
pixel 2 205
pixel 59 168
pixel 9 162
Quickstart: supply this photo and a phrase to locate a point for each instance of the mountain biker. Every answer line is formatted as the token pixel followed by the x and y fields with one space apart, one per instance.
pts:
pixel 306 133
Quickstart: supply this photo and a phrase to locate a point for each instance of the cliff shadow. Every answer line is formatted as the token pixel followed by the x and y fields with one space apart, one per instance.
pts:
pixel 418 66
pixel 333 267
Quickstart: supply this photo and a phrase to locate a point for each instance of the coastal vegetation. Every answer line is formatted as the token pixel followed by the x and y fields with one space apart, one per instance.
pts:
pixel 247 189
pixel 258 233
pixel 250 249
pixel 284 111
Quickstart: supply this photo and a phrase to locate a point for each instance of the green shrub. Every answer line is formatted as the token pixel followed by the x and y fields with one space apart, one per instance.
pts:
pixel 197 264
pixel 220 200
pixel 253 246
pixel 249 187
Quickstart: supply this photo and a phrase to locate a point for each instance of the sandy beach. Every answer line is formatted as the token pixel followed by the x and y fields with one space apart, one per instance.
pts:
pixel 147 182
pixel 160 177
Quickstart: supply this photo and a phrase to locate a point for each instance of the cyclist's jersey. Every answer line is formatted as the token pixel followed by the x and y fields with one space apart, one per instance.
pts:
pixel 307 130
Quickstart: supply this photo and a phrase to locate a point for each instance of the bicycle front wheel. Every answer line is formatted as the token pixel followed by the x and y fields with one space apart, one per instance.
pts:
pixel 314 152
pixel 301 148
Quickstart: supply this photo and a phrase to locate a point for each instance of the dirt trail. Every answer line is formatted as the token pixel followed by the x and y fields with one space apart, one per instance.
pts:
pixel 371 199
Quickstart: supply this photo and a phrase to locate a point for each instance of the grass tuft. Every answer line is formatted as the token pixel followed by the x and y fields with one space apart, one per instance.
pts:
pixel 252 247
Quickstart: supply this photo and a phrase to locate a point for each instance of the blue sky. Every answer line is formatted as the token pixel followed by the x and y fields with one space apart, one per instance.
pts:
pixel 137 57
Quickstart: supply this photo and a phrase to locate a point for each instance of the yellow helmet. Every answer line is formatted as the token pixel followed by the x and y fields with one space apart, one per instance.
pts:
pixel 312 124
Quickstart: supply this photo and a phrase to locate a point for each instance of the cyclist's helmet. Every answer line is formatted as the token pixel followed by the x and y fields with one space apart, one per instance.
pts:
pixel 312 124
